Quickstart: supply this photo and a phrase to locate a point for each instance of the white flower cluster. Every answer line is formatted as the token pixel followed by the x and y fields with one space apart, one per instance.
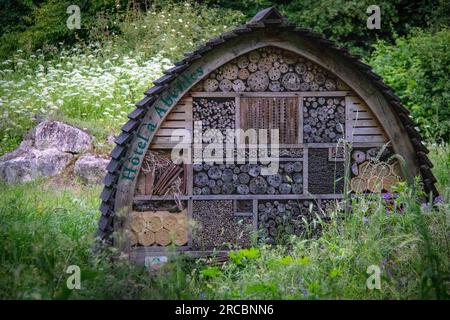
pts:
pixel 75 85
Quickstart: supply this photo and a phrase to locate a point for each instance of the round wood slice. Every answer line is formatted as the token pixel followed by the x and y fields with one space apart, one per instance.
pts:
pixel 242 62
pixel 258 81
pixel 359 156
pixel 211 85
pixel 243 74
pixel 230 71
pixel 154 222
pixel 291 81
pixel 147 238
pixel 170 222
pixel 180 236
pixel 358 184
pixel 162 237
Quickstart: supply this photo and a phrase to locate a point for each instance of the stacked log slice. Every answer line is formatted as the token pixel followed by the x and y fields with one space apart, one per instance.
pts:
pixel 371 172
pixel 247 179
pixel 270 69
pixel 323 119
pixel 158 227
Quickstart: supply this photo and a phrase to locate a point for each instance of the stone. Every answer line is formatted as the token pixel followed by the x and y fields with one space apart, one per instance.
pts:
pixel 91 168
pixel 55 134
pixel 45 152
pixel 33 164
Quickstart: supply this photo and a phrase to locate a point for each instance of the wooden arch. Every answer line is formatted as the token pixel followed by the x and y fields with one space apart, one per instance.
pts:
pixel 266 29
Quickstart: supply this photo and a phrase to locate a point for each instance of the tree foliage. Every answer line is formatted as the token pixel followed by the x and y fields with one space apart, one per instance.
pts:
pixel 417 67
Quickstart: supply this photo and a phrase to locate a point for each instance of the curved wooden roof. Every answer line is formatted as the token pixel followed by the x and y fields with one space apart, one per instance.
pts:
pixel 267 21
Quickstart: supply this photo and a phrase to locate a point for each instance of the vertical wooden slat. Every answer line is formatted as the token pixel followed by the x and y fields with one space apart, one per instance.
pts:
pixel 300 120
pixel 348 118
pixel 305 171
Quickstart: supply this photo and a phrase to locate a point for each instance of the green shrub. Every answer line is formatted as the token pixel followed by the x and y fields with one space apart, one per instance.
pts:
pixel 418 69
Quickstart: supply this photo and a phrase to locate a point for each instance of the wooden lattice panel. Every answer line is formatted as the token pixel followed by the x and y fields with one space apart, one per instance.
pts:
pixel 363 126
pixel 179 118
pixel 271 113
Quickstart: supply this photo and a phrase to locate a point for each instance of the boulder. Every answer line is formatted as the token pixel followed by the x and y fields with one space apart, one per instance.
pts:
pixel 91 168
pixel 34 164
pixel 45 152
pixel 55 134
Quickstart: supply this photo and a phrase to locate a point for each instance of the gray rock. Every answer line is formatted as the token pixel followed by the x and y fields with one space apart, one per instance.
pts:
pixel 54 134
pixel 33 164
pixel 91 168
pixel 45 152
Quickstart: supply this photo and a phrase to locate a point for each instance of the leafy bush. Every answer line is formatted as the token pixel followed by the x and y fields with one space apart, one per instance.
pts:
pixel 418 69
pixel 345 21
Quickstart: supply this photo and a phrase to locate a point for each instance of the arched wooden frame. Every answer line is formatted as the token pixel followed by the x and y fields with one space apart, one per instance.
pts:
pixel 288 40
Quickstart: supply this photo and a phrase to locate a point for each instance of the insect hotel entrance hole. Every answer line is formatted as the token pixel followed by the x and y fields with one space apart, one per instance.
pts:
pixel 265 75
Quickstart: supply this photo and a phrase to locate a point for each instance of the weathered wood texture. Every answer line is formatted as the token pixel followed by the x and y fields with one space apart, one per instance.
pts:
pixel 271 113
pixel 362 124
pixel 180 117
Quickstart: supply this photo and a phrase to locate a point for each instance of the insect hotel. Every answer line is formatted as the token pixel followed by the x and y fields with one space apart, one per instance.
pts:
pixel 267 75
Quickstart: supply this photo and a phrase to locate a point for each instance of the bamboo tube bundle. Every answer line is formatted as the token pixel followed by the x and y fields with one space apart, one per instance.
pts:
pixel 147 238
pixel 153 222
pixel 389 181
pixel 162 237
pixel 137 222
pixel 180 236
pixel 358 184
pixel 170 222
pixel 374 184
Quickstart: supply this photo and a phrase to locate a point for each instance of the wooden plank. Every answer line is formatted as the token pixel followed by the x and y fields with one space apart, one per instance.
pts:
pixel 272 94
pixel 348 118
pixel 300 120
pixel 176 124
pixel 255 214
pixel 364 123
pixel 237 113
pixel 305 171
pixel 370 138
pixel 368 130
pixel 189 218
pixel 177 116
pixel 168 132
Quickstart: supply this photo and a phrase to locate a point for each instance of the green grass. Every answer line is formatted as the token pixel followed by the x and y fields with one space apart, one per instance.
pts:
pixel 45 228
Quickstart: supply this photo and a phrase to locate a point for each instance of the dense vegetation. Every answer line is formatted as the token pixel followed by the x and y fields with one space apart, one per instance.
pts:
pixel 42 233
pixel 94 75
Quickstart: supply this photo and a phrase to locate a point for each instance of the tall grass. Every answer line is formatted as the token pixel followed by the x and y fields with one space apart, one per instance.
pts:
pixel 43 230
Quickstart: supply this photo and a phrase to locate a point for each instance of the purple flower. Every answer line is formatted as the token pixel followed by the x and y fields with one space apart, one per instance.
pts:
pixel 438 199
pixel 425 206
pixel 366 220
pixel 386 196
pixel 202 296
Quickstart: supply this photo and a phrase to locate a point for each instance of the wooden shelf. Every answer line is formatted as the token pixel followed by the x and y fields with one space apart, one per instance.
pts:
pixel 243 197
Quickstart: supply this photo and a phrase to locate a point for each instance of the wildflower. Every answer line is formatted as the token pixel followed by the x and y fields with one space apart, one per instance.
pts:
pixel 438 200
pixel 387 196
pixel 365 220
